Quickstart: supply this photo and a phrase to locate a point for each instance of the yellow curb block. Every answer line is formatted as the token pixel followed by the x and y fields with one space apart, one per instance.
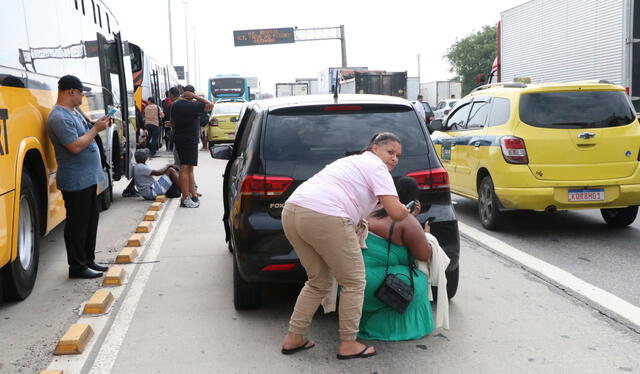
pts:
pixel 161 198
pixel 114 277
pixel 74 340
pixel 52 372
pixel 135 240
pixel 155 206
pixel 144 227
pixel 126 255
pixel 98 303
pixel 151 215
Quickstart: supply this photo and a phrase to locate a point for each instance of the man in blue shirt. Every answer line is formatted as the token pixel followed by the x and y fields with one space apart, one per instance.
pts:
pixel 79 172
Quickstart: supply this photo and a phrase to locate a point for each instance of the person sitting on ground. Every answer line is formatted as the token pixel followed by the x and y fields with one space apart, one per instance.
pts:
pixel 379 321
pixel 147 185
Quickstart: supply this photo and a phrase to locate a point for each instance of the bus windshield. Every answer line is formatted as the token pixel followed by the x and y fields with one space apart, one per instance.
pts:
pixel 228 87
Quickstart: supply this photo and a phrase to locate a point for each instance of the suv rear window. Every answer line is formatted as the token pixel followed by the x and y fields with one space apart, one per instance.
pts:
pixel 319 134
pixel 576 109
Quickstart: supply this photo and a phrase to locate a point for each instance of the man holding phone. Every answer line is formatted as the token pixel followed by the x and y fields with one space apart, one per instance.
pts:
pixel 79 172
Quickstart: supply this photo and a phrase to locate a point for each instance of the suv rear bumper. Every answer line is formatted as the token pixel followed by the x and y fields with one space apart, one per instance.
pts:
pixel 265 244
pixel 540 198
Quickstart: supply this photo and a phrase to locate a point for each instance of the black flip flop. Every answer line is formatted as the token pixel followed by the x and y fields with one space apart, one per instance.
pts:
pixel 362 354
pixel 298 349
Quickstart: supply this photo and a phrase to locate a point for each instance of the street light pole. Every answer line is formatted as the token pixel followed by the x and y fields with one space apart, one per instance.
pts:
pixel 343 46
pixel 187 70
pixel 170 33
pixel 418 56
pixel 195 59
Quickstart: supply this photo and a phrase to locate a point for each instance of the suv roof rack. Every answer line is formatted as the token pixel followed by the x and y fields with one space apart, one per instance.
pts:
pixel 502 84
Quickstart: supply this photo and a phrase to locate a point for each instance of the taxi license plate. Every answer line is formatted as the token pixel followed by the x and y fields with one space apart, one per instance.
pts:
pixel 596 194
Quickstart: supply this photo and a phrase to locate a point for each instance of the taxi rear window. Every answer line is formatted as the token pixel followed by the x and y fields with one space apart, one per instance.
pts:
pixel 331 134
pixel 576 109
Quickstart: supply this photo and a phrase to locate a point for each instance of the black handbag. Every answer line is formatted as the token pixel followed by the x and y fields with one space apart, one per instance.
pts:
pixel 393 292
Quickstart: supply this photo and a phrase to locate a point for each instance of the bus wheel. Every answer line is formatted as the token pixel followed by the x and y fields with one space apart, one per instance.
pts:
pixel 20 275
pixel 106 197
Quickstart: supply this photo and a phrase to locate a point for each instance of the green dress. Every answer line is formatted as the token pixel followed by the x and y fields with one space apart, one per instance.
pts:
pixel 379 322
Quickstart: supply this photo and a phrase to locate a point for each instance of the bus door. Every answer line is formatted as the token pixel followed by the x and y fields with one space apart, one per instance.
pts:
pixel 115 94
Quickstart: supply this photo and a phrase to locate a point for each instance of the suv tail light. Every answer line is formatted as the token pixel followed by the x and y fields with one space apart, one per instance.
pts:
pixel 264 186
pixel 431 179
pixel 213 122
pixel 513 150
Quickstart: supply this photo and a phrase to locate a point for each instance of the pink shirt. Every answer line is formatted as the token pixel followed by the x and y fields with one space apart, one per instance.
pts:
pixel 348 187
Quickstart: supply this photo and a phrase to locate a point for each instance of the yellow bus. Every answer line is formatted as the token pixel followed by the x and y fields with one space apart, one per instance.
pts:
pixel 44 40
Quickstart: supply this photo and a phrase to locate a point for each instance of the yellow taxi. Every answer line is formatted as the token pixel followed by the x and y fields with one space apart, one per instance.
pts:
pixel 544 147
pixel 224 121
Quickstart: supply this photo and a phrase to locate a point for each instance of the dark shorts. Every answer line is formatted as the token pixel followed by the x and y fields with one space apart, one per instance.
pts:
pixel 188 153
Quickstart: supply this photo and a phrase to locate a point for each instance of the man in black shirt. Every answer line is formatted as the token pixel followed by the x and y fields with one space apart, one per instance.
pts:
pixel 185 111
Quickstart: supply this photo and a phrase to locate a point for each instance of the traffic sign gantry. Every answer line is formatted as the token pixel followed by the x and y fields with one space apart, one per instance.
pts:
pixel 263 36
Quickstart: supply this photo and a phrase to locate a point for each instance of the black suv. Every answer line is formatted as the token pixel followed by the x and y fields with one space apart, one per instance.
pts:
pixel 282 142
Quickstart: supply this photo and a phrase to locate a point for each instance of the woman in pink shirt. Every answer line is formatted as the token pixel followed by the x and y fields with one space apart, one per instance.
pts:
pixel 319 220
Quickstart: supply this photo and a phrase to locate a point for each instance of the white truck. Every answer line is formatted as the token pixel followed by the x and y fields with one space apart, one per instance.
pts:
pixel 291 89
pixel 434 92
pixel 567 40
pixel 327 78
pixel 312 83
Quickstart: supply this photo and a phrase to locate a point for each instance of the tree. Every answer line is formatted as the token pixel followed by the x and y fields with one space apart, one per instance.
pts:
pixel 473 55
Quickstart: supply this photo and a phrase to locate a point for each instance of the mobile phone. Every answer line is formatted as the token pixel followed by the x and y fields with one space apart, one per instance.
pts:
pixel 431 219
pixel 112 112
pixel 410 205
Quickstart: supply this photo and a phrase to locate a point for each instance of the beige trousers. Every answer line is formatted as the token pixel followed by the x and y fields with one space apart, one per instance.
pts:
pixel 326 245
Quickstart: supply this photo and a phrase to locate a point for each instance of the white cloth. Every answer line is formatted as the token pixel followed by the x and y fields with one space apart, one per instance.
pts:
pixel 329 302
pixel 434 269
pixel 420 110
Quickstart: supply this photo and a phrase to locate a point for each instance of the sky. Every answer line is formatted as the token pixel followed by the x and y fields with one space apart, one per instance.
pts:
pixel 380 35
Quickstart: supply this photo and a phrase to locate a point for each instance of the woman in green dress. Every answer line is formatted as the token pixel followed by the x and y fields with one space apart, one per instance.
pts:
pixel 380 322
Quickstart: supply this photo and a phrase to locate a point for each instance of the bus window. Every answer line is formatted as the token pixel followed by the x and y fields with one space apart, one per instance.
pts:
pixel 99 15
pixel 18 43
pixel 44 39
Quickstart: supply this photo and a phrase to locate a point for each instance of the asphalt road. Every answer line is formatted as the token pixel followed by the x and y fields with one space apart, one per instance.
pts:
pixel 579 242
pixel 181 318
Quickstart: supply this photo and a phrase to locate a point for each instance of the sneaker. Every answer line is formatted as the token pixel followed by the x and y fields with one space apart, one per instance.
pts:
pixel 130 193
pixel 196 199
pixel 188 203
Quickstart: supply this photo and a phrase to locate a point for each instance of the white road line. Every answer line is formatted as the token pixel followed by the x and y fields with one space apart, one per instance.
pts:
pixel 117 330
pixel 557 276
pixel 111 346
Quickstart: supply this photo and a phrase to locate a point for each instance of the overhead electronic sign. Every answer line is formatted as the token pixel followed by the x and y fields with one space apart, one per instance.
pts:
pixel 263 36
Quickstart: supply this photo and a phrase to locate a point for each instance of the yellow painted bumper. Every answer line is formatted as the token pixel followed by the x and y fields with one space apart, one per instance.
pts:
pixel 615 196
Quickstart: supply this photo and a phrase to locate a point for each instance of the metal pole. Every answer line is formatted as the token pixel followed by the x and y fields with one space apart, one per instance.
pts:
pixel 343 46
pixel 170 33
pixel 195 59
pixel 187 70
pixel 418 74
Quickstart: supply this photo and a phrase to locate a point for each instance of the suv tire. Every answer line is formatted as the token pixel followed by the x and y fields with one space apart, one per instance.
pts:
pixel 246 295
pixel 452 284
pixel 490 215
pixel 620 217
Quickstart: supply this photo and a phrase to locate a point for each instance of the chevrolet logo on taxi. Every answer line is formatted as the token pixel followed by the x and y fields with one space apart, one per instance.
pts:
pixel 586 135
